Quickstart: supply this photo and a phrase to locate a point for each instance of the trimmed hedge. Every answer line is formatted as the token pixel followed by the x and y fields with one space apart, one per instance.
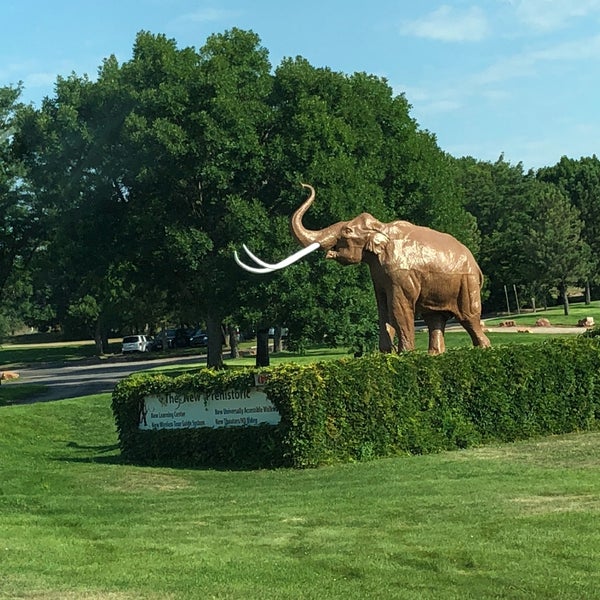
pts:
pixel 380 405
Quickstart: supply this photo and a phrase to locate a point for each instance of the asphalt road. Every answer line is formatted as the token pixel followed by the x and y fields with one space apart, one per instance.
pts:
pixel 74 380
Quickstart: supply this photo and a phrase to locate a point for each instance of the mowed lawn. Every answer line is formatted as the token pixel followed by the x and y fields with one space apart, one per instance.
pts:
pixel 512 521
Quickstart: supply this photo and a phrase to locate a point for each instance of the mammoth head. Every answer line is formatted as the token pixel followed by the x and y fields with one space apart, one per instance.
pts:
pixel 344 242
pixel 357 238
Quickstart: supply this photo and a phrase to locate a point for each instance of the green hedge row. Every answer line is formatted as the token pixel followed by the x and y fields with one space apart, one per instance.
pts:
pixel 380 405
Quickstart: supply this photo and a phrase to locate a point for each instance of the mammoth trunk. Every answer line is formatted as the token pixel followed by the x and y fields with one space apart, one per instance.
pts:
pixel 326 238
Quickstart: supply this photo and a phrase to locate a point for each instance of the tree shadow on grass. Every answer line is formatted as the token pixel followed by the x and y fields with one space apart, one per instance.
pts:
pixel 95 454
pixel 102 455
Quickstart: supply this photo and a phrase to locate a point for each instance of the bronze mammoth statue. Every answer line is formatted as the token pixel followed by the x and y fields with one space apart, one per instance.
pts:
pixel 415 270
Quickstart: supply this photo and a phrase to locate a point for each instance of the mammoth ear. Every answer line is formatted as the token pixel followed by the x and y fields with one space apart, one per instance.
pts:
pixel 376 242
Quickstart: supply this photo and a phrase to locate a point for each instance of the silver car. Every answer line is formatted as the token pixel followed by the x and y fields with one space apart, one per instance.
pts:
pixel 136 343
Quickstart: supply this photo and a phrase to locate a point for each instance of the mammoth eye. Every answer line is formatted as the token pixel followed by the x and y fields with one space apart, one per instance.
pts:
pixel 347 230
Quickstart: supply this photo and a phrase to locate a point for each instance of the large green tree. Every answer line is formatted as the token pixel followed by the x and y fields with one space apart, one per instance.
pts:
pixel 580 181
pixel 555 254
pixel 502 198
pixel 22 217
pixel 531 233
pixel 195 141
pixel 67 147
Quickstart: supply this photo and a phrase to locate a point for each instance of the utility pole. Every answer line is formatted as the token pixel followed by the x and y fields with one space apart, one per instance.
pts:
pixel 507 302
pixel 517 299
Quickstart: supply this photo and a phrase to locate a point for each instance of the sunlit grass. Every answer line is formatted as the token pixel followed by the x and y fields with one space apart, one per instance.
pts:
pixel 516 521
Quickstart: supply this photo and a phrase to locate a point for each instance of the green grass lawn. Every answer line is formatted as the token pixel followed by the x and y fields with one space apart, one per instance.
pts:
pixel 26 353
pixel 14 392
pixel 513 521
pixel 516 521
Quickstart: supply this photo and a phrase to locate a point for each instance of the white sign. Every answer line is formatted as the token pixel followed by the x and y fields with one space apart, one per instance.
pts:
pixel 231 408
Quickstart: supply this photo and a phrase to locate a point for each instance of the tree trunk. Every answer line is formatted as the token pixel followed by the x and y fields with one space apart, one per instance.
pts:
pixel 214 355
pixel 262 347
pixel 98 339
pixel 565 299
pixel 233 341
pixel 588 293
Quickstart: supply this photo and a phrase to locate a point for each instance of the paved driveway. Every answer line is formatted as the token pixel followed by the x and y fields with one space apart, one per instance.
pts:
pixel 74 380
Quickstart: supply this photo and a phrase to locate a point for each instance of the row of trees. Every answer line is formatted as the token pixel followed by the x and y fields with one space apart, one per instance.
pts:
pixel 123 198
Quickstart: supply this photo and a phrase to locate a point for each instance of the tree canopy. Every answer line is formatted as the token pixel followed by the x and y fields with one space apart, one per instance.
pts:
pixel 124 197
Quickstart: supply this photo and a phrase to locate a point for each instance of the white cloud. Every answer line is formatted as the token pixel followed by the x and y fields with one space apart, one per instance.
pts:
pixel 448 24
pixel 582 49
pixel 207 15
pixel 492 85
pixel 550 15
pixel 527 63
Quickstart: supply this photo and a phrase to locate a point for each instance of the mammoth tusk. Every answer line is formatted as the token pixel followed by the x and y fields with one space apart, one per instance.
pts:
pixel 257 260
pixel 270 267
pixel 248 268
pixel 286 261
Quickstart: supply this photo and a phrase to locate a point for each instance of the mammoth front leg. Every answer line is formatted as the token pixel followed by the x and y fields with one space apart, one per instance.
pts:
pixel 436 323
pixel 386 331
pixel 402 313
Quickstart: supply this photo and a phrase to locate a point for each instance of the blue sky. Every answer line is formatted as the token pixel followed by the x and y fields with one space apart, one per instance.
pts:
pixel 512 77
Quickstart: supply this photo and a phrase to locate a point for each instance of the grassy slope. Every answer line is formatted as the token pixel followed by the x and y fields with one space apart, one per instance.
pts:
pixel 517 521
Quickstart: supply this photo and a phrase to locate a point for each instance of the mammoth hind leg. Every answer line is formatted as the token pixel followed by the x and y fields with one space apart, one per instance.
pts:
pixel 470 317
pixel 475 330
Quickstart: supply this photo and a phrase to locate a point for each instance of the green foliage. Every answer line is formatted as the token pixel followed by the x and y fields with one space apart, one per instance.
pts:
pixel 381 405
pixel 22 220
pixel 592 333
pixel 580 181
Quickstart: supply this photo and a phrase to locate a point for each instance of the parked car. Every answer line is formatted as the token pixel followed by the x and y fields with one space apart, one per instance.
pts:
pixel 284 332
pixel 136 343
pixel 169 335
pixel 182 337
pixel 198 339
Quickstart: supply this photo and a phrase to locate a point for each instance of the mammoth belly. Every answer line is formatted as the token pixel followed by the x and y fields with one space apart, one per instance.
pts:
pixel 450 293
